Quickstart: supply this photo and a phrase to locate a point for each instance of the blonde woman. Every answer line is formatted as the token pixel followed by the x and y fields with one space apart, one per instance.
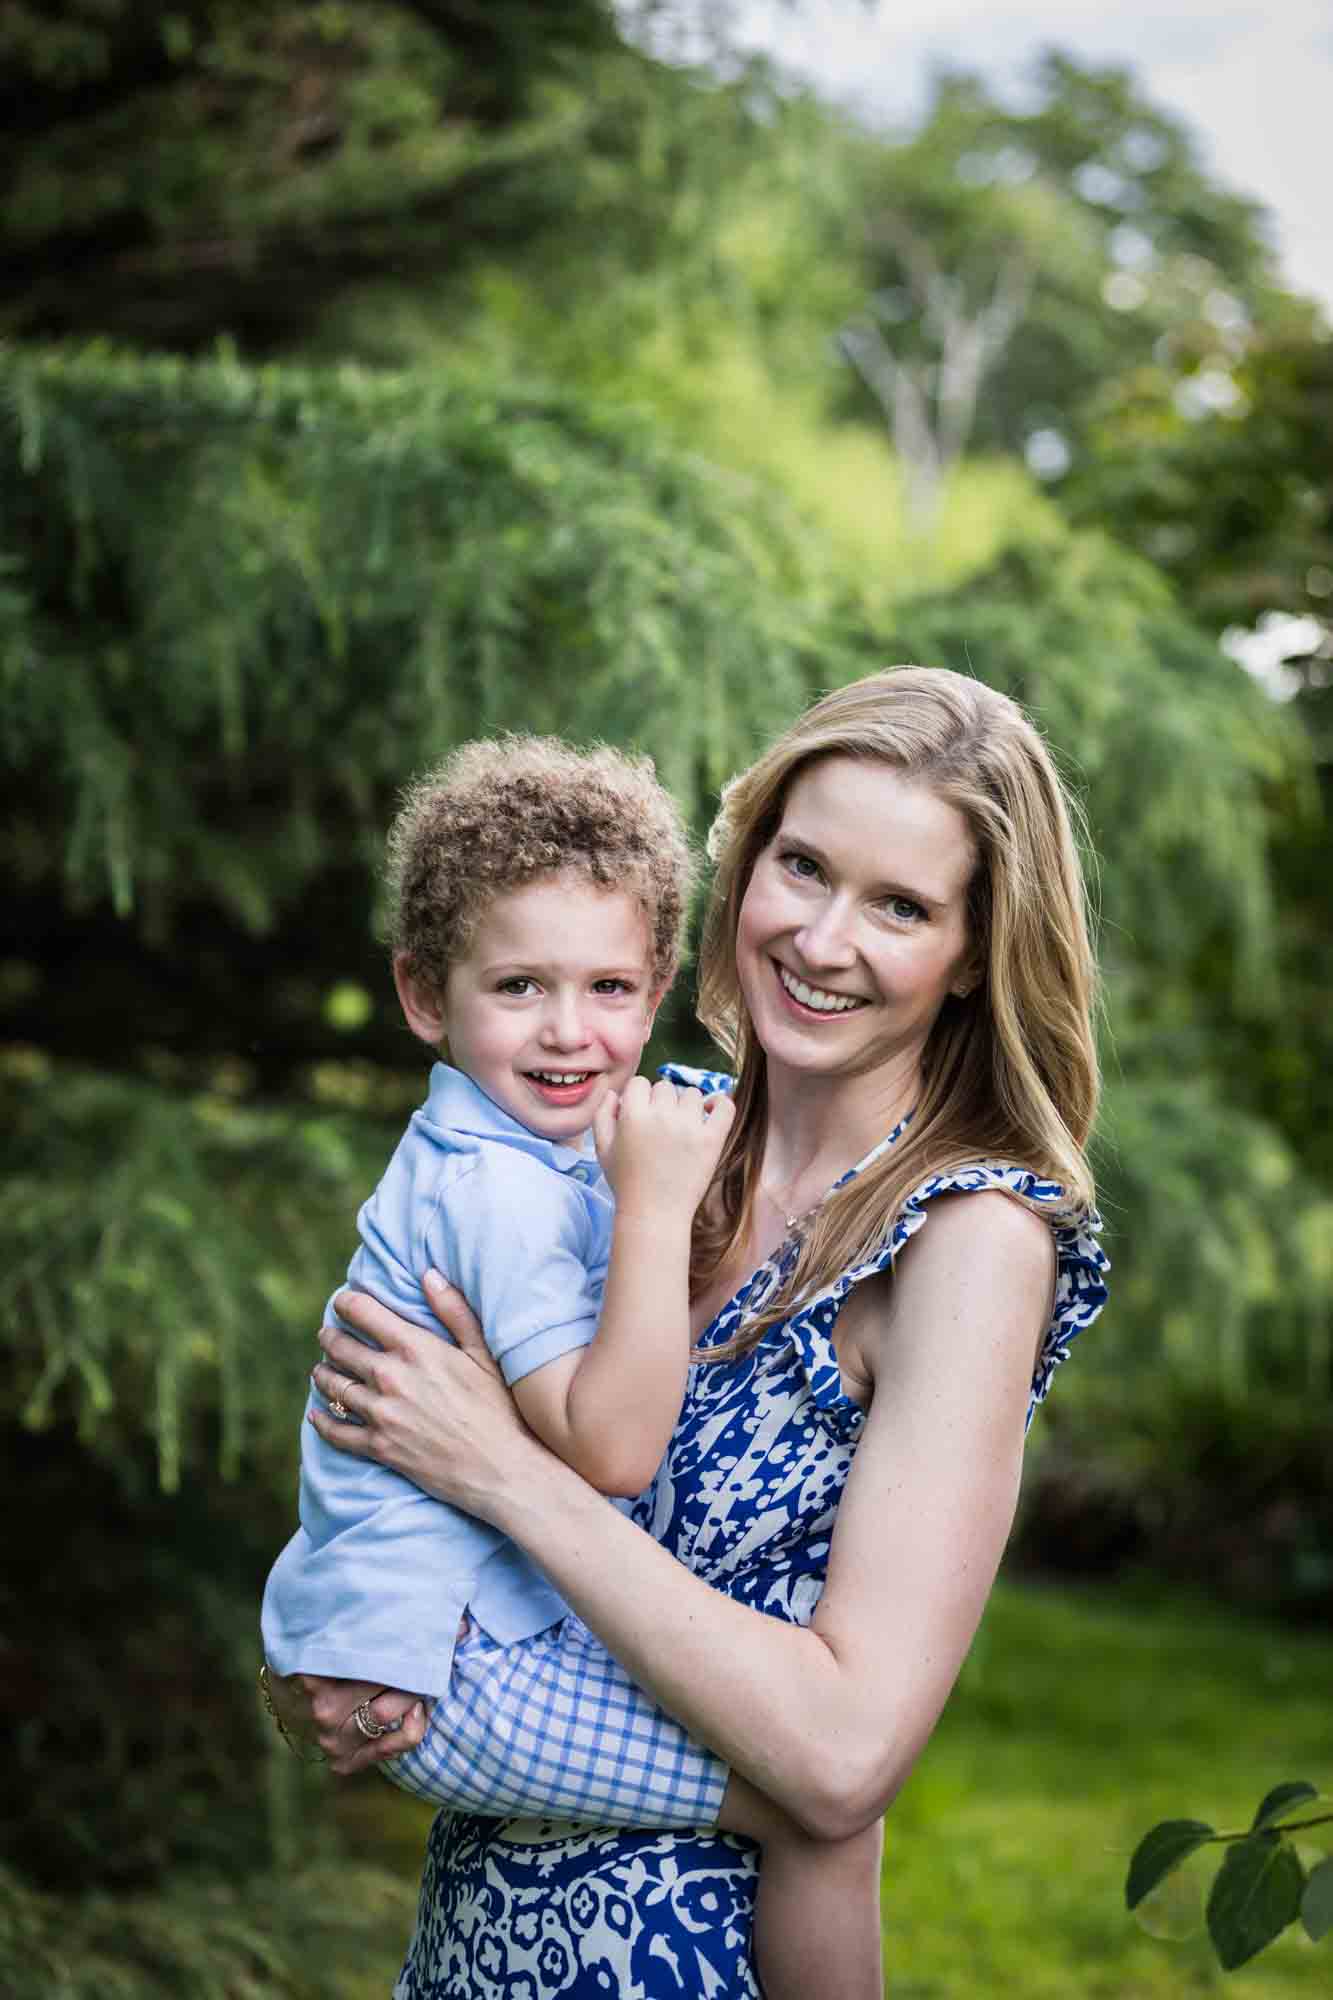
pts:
pixel 896 1250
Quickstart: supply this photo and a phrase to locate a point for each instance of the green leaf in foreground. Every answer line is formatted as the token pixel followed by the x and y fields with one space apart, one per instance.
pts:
pixel 1317 1901
pixel 1257 1893
pixel 1276 1804
pixel 1159 1851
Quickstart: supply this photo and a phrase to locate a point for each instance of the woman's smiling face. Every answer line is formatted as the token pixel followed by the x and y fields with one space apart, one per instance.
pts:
pixel 854 926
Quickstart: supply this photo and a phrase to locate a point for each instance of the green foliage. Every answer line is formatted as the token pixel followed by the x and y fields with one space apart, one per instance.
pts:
pixel 1081 1718
pixel 1150 1452
pixel 225 162
pixel 170 1257
pixel 317 582
pixel 1099 196
pixel 167 1250
pixel 1234 503
pixel 1262 1884
pixel 294 1935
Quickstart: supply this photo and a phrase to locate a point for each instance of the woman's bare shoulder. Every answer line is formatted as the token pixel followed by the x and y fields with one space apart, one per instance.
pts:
pixel 982 1265
pixel 988 1221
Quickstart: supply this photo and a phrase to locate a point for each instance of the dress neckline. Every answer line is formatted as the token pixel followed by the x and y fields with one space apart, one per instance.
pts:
pixel 780 1259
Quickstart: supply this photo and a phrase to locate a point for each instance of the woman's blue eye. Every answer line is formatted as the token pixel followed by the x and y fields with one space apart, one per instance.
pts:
pixel 800 865
pixel 905 909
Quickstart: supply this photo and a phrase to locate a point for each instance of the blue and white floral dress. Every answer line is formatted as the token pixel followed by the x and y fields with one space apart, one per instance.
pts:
pixel 746 1498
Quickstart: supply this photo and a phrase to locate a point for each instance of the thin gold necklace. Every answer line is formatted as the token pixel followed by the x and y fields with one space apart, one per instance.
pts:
pixel 792 1222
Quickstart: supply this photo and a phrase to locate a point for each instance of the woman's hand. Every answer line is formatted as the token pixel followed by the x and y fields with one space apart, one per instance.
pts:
pixel 311 1709
pixel 436 1413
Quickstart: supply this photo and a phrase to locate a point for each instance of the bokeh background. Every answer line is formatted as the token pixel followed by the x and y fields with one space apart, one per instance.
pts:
pixel 376 375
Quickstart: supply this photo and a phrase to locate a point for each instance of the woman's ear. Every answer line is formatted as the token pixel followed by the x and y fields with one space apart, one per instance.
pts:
pixel 422 1004
pixel 970 976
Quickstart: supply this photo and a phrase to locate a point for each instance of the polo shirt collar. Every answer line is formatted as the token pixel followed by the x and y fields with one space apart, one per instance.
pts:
pixel 457 1104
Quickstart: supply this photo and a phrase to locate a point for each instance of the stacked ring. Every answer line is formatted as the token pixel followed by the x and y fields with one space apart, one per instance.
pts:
pixel 367 1724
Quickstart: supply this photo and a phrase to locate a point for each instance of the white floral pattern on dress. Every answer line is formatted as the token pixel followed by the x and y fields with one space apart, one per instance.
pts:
pixel 746 1498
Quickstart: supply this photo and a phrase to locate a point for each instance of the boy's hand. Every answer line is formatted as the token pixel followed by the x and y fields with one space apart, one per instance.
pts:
pixel 659 1145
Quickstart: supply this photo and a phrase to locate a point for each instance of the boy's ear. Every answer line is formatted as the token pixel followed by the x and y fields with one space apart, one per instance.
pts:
pixel 422 1003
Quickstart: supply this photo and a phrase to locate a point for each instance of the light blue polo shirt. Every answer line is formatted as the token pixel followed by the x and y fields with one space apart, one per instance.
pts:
pixel 374 1581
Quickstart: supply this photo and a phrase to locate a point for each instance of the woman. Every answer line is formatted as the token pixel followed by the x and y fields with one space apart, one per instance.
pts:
pixel 896 961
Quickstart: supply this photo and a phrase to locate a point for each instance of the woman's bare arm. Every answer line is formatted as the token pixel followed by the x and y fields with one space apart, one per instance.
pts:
pixel 827 1721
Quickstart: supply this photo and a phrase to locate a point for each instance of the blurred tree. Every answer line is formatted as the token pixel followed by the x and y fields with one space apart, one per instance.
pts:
pixel 1098 201
pixel 170 169
pixel 1218 466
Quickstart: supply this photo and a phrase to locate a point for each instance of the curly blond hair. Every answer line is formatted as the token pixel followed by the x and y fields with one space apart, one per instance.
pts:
pixel 502 812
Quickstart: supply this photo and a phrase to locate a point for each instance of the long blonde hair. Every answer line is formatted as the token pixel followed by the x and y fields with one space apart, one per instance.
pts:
pixel 1010 1071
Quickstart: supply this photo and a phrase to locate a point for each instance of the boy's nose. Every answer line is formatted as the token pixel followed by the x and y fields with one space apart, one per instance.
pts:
pixel 563 1026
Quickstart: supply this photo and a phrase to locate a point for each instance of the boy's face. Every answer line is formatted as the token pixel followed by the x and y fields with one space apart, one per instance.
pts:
pixel 553 1003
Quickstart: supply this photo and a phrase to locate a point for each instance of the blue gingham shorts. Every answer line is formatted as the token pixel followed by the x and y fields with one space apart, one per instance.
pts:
pixel 553 1727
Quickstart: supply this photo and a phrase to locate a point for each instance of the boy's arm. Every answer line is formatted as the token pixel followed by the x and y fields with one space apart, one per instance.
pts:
pixel 608 1409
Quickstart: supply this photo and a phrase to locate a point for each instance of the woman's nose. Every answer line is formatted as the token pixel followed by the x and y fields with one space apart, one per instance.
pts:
pixel 827 940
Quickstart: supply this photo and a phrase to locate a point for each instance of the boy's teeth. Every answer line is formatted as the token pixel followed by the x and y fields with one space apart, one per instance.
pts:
pixel 816 996
pixel 561 1076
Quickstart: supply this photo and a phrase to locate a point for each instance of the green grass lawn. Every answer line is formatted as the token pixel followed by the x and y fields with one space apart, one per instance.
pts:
pixel 1079 1722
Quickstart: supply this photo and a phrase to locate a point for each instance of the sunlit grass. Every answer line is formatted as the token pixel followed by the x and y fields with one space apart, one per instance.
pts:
pixel 1080 1722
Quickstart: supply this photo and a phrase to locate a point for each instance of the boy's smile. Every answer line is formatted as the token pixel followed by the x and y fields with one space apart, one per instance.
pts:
pixel 553 1002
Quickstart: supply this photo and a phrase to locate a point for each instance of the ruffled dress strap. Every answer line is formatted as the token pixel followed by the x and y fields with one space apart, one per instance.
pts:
pixel 1080 1284
pixel 1081 1266
pixel 712 1082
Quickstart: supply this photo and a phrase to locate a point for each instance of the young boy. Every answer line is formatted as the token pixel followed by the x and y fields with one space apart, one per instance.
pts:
pixel 537 898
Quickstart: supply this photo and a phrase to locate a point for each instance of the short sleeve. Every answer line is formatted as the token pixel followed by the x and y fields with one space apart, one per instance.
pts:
pixel 517 1239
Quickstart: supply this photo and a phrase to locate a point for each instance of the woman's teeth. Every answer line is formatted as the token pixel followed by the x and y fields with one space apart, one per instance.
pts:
pixel 817 997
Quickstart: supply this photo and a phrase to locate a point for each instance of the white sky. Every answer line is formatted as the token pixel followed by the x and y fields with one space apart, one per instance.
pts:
pixel 1254 82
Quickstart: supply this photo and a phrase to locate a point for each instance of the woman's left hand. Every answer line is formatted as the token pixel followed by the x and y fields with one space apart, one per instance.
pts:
pixel 310 1708
pixel 437 1413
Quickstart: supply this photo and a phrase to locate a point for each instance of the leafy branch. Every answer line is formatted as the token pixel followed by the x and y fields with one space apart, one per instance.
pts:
pixel 1262 1885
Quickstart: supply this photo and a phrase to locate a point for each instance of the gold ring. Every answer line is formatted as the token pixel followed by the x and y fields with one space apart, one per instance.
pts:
pixel 367 1724
pixel 339 1409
